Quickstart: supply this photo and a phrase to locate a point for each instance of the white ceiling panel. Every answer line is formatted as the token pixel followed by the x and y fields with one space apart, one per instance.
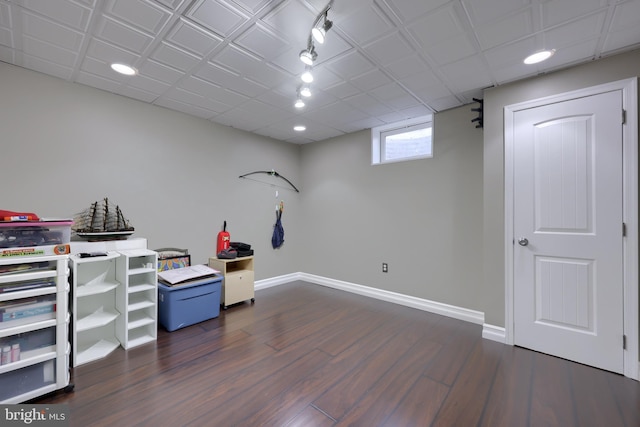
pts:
pixel 62 11
pixel 192 38
pixel 217 16
pixel 146 15
pixel 122 35
pixel 235 62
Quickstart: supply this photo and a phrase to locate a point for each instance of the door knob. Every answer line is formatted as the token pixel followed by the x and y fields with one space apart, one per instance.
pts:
pixel 523 241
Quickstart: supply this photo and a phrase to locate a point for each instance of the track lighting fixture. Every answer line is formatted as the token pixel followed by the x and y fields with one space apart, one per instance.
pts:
pixel 299 103
pixel 305 91
pixel 307 77
pixel 319 33
pixel 308 56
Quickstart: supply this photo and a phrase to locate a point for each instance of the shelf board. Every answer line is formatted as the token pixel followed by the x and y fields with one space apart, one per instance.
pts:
pixel 133 324
pixel 28 324
pixel 31 357
pixel 95 288
pixel 34 275
pixel 96 351
pixel 40 391
pixel 95 320
pixel 139 305
pixel 140 340
pixel 142 287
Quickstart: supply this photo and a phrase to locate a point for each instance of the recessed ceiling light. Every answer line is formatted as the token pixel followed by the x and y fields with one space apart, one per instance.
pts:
pixel 539 56
pixel 124 69
pixel 299 128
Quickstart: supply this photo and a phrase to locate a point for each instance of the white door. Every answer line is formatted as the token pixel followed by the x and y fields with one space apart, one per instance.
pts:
pixel 568 231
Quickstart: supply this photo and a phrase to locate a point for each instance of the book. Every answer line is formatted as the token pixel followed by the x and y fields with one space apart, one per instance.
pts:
pixel 184 274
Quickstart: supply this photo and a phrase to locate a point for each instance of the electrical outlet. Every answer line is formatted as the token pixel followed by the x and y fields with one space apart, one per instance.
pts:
pixel 385 267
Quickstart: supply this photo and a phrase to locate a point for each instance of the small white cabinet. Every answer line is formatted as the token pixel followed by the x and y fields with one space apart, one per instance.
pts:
pixel 34 321
pixel 238 279
pixel 94 286
pixel 136 298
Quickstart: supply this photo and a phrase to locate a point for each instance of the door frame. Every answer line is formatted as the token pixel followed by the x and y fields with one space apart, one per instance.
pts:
pixel 629 211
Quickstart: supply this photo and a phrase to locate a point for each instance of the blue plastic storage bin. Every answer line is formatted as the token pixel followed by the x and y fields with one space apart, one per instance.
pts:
pixel 185 305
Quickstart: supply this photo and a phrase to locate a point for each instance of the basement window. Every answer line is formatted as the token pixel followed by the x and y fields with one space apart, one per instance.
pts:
pixel 402 141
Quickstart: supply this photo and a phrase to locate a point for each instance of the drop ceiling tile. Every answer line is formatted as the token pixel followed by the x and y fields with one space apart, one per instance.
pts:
pixel 171 4
pixel 289 61
pixel 5 16
pixel 148 85
pixel 292 19
pixel 626 14
pixel 325 78
pixel 389 48
pixel 97 81
pixel 402 102
pixel 364 24
pixel 62 11
pixel 49 52
pixel 175 57
pixel 228 79
pixel 410 10
pixel 368 105
pixel 445 104
pixel 469 73
pixel 50 32
pixel 334 47
pixel 505 29
pixel 131 91
pixel 158 71
pixel 189 109
pixel 350 65
pixel 431 93
pixel 262 42
pixel 6 37
pixel 573 32
pixel 216 16
pixel 186 97
pixel 506 62
pixel 437 27
pixel 192 38
pixel 408 66
pixel 249 66
pixel 109 53
pixel 143 14
pixel 342 90
pixel 253 6
pixel 370 80
pixel 488 11
pixel 419 81
pixel 121 35
pixel 45 66
pixel 210 90
pixel 388 92
pixel 556 12
pixel 620 39
pixel 338 113
pixel 452 50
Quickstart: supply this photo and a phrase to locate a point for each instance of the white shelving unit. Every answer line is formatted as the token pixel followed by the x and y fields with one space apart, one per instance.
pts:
pixel 137 298
pixel 39 328
pixel 94 307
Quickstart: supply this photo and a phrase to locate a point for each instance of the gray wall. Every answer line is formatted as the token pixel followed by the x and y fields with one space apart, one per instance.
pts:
pixel 423 217
pixel 65 145
pixel 598 72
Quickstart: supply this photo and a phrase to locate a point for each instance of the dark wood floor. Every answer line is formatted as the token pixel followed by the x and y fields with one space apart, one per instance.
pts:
pixel 306 355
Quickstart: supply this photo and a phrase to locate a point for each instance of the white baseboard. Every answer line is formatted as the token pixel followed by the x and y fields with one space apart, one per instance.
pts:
pixel 494 333
pixel 459 313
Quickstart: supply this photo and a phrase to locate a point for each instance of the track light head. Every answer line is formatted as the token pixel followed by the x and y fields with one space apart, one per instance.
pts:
pixel 305 91
pixel 299 103
pixel 308 56
pixel 307 77
pixel 320 33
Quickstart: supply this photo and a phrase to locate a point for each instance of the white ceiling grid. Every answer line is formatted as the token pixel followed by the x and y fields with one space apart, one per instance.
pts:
pixel 235 62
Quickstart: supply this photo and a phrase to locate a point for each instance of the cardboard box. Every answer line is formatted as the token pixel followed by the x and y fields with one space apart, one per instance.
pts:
pixel 188 304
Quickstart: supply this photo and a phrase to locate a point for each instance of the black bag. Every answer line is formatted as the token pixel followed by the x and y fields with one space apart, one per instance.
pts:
pixel 278 232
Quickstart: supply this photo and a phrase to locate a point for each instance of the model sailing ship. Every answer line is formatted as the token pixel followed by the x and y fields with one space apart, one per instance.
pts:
pixel 101 221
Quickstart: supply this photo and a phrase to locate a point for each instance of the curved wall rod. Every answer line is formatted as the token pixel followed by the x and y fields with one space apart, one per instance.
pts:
pixel 272 173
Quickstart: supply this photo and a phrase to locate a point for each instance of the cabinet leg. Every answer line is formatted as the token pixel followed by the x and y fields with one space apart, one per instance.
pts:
pixel 253 300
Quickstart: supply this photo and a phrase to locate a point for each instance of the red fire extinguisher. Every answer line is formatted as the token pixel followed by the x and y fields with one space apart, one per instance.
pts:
pixel 223 239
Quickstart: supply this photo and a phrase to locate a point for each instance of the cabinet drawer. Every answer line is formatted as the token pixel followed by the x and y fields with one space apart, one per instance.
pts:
pixel 27 379
pixel 238 286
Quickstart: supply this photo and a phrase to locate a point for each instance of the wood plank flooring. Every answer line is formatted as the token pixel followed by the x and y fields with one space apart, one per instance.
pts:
pixel 307 355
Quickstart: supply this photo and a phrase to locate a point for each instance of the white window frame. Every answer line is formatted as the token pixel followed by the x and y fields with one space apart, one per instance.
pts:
pixel 379 133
